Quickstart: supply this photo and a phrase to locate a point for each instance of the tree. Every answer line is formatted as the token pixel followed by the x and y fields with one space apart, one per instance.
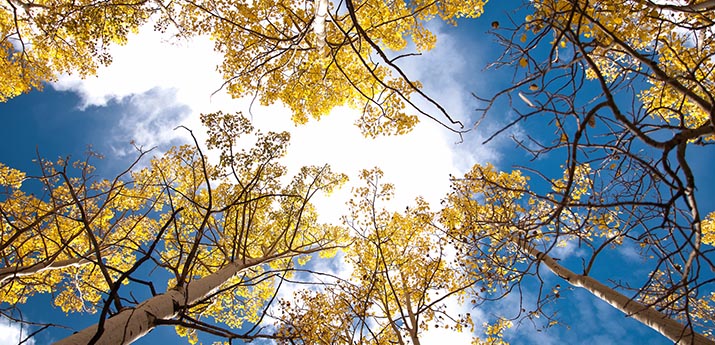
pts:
pixel 276 51
pixel 401 277
pixel 625 151
pixel 225 235
pixel 504 233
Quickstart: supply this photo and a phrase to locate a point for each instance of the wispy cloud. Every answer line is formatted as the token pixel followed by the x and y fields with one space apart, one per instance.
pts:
pixel 149 120
pixel 13 333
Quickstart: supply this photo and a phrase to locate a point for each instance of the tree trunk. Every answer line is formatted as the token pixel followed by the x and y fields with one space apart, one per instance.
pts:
pixel 22 271
pixel 131 324
pixel 661 323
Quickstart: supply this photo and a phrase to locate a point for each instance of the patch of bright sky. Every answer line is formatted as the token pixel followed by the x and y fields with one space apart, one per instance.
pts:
pixel 11 333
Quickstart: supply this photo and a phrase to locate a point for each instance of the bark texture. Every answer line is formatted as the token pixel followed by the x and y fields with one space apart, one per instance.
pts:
pixel 22 271
pixel 131 324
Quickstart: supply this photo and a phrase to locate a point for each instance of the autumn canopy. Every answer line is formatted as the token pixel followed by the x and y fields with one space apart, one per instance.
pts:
pixel 613 103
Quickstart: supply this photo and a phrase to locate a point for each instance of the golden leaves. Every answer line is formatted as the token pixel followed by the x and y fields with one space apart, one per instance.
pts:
pixel 708 229
pixel 41 40
pixel 53 244
pixel 79 241
pixel 494 333
pixel 480 216
pixel 399 266
pixel 11 177
pixel 270 48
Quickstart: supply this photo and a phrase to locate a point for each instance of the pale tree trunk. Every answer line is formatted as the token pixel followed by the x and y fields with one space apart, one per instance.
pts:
pixel 131 324
pixel 661 323
pixel 21 271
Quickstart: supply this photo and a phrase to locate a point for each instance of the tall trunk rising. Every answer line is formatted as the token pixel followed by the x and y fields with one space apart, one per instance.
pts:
pixel 132 324
pixel 661 323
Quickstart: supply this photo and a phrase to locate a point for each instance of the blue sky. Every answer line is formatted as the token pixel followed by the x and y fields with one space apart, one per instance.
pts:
pixel 143 97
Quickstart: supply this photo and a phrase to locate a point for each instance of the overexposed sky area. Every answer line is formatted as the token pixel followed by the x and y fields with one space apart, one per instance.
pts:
pixel 153 74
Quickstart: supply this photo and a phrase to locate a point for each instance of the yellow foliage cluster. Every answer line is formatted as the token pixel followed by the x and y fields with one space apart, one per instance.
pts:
pixel 11 177
pixel 708 229
pixel 400 275
pixel 79 224
pixel 79 239
pixel 485 207
pixel 494 333
pixel 244 212
pixel 45 38
pixel 322 318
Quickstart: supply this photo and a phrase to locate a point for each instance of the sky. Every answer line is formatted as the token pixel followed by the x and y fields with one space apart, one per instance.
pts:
pixel 154 85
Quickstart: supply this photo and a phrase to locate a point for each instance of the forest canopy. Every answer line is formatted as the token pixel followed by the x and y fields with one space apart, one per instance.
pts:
pixel 604 112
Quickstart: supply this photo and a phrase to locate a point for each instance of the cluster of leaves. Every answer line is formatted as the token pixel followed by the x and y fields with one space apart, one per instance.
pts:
pixel 41 39
pixel 48 241
pixel 400 281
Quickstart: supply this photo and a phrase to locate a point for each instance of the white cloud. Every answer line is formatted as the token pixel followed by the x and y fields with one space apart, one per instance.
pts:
pixel 148 62
pixel 150 119
pixel 13 332
pixel 454 72
pixel 630 253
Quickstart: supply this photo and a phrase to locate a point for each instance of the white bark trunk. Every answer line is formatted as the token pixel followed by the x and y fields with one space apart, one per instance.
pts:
pixel 21 271
pixel 132 324
pixel 654 319
pixel 321 13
